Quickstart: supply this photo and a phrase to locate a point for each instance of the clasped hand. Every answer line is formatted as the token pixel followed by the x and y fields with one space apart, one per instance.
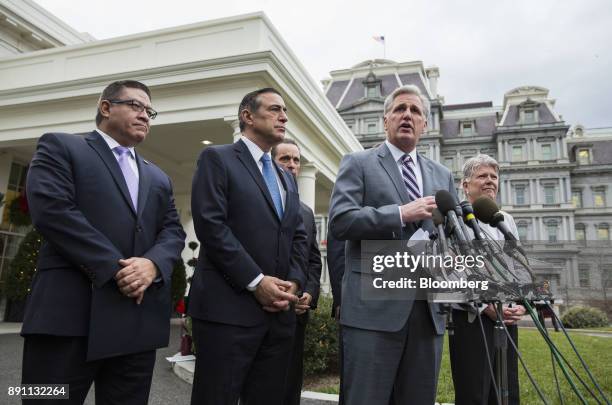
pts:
pixel 275 294
pixel 511 314
pixel 135 277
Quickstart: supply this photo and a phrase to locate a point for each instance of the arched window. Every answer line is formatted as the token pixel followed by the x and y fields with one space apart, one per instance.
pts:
pixel 580 231
pixel 603 232
pixel 522 228
pixel 552 227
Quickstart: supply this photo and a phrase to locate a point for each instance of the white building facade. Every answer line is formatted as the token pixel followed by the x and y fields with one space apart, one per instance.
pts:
pixel 197 74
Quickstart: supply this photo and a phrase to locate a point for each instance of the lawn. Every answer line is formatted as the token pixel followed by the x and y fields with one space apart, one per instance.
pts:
pixel 597 352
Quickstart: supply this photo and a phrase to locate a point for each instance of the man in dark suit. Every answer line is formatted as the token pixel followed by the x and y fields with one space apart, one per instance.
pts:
pixel 100 300
pixel 392 347
pixel 287 155
pixel 251 265
pixel 335 268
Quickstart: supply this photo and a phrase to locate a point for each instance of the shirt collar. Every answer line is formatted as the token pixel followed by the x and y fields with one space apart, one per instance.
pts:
pixel 112 143
pixel 397 153
pixel 256 152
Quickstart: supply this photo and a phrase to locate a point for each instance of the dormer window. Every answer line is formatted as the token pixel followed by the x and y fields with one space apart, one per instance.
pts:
pixel 528 112
pixel 583 156
pixel 468 128
pixel 529 117
pixel 372 91
pixel 372 86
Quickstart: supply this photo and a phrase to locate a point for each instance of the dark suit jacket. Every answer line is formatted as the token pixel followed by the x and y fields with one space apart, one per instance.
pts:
pixel 335 268
pixel 241 236
pixel 80 203
pixel 313 268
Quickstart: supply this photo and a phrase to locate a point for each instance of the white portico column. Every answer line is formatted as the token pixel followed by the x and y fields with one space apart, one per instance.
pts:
pixel 306 184
pixel 235 124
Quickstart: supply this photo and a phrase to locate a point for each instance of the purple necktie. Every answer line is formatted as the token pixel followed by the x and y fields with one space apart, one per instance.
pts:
pixel 128 174
pixel 409 177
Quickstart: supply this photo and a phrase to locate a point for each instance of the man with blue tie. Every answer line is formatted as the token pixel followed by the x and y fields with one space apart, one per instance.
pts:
pixel 251 265
pixel 391 347
pixel 100 301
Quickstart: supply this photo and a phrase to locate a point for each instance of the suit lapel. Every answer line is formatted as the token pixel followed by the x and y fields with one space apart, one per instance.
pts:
pixel 245 157
pixel 96 141
pixel 144 183
pixel 390 166
pixel 426 174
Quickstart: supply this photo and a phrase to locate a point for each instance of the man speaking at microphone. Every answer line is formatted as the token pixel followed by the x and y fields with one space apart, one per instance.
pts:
pixel 392 348
pixel 471 375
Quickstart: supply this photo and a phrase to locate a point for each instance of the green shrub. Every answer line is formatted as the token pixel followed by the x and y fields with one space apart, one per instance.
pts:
pixel 179 282
pixel 23 267
pixel 584 317
pixel 321 342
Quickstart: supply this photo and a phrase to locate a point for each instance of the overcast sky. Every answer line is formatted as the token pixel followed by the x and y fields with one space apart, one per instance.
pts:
pixel 482 48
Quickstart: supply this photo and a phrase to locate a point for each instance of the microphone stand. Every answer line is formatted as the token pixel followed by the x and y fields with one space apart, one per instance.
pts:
pixel 501 355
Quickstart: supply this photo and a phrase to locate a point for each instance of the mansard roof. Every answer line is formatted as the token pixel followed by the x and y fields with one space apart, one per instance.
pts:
pixel 453 107
pixel 545 114
pixel 483 126
pixel 346 93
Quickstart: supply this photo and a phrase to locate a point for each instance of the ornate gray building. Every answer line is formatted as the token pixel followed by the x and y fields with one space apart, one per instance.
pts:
pixel 555 180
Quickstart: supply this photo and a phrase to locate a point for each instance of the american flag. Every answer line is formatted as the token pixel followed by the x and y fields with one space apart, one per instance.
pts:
pixel 379 38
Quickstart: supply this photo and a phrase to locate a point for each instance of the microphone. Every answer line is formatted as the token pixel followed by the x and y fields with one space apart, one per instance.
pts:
pixel 486 210
pixel 459 213
pixel 438 221
pixel 470 219
pixel 446 204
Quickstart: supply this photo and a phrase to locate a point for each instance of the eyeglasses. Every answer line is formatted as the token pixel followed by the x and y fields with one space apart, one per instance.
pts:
pixel 136 106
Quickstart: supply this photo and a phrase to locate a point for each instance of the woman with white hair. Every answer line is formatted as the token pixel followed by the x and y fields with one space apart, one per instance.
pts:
pixel 469 364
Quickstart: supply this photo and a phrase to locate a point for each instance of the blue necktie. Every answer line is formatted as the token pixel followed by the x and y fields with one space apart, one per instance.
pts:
pixel 270 178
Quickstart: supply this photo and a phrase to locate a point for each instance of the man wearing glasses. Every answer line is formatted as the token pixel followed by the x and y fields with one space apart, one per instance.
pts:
pixel 100 301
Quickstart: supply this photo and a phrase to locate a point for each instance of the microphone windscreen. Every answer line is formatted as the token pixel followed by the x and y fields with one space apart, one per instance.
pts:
pixel 484 209
pixel 497 218
pixel 437 217
pixel 445 201
pixel 466 207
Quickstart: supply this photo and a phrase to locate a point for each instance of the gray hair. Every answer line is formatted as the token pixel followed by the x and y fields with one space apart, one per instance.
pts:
pixel 472 164
pixel 407 89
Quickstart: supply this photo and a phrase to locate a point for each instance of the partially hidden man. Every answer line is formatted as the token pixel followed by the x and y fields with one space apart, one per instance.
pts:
pixel 251 265
pixel 100 301
pixel 391 348
pixel 287 154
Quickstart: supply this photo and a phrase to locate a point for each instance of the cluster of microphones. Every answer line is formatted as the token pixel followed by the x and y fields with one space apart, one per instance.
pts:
pixel 452 220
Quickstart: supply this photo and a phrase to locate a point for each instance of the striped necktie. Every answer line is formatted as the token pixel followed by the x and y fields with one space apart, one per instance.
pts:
pixel 409 177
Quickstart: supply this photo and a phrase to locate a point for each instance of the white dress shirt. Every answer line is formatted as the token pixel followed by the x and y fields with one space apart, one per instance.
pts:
pixel 112 144
pixel 257 153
